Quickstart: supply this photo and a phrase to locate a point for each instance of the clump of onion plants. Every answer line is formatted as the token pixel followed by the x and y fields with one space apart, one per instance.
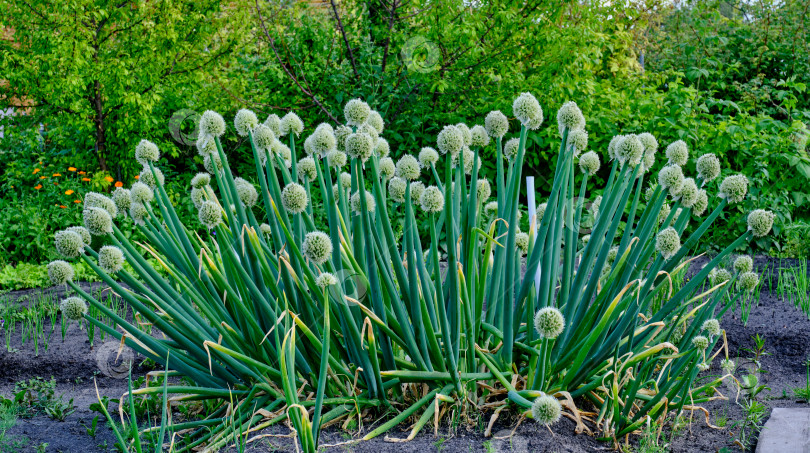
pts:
pixel 274 316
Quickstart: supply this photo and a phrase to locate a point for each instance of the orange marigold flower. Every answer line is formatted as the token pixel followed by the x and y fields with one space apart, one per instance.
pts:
pixel 57 174
pixel 77 201
pixel 36 170
pixel 109 178
pixel 119 184
pixel 82 172
pixel 42 177
pixel 62 206
pixel 69 192
pixel 85 179
pixel 137 176
pixel 71 168
pixel 39 186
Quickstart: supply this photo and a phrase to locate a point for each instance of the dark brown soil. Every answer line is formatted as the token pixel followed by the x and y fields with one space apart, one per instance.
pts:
pixel 74 365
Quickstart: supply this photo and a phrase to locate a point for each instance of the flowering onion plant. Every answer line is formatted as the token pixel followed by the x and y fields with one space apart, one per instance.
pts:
pixel 276 320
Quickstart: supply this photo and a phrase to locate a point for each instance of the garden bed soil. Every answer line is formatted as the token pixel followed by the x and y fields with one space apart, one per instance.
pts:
pixel 74 365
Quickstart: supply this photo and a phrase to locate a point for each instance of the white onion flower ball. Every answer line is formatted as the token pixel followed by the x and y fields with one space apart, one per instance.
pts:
pixel 200 180
pixel 73 308
pixel 325 280
pixel 712 327
pixel 152 179
pixel 417 188
pixel 407 168
pixel 678 153
pixel 341 134
pixel 356 112
pixel 60 272
pixel 496 124
pixel 671 178
pixel 432 200
pixel 206 145
pixel 428 156
pixel 294 198
pixel 570 116
pixel 110 259
pixel 317 247
pixel 450 140
pixel 578 139
pixel 375 120
pixel 290 124
pixel 307 168
pixel 141 193
pixel 246 192
pixel 549 323
pixel 528 111
pixel 83 234
pixel 491 208
pixel 356 205
pixel 263 137
pixel 138 213
pixel 469 160
pixel 748 281
pixel 649 141
pixel 522 242
pixel 283 151
pixel 197 196
pixel 213 164
pixel 708 167
pixel 122 199
pixel 614 145
pixel 465 133
pixel 97 221
pixel 743 264
pixel 274 123
pixel 734 188
pixel 336 159
pixel 668 242
pixel 368 129
pixel 546 410
pixel 97 200
pixel 146 152
pixel 359 146
pixel 387 167
pixel 701 203
pixel 700 342
pixel 396 189
pixel 346 180
pixel 245 121
pixel 382 148
pixel 480 138
pixel 68 243
pixel 589 163
pixel 210 214
pixel 484 190
pixel 540 211
pixel 266 229
pixel 688 193
pixel 323 139
pixel 719 275
pixel 510 149
pixel 760 222
pixel 212 124
pixel 630 151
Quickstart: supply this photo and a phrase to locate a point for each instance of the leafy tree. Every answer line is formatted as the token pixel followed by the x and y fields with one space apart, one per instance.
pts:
pixel 98 69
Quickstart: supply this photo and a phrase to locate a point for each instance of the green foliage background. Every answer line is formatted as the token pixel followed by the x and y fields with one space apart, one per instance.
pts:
pixel 726 77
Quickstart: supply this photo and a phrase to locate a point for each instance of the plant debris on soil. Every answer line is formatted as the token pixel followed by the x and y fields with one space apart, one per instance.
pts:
pixel 77 368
